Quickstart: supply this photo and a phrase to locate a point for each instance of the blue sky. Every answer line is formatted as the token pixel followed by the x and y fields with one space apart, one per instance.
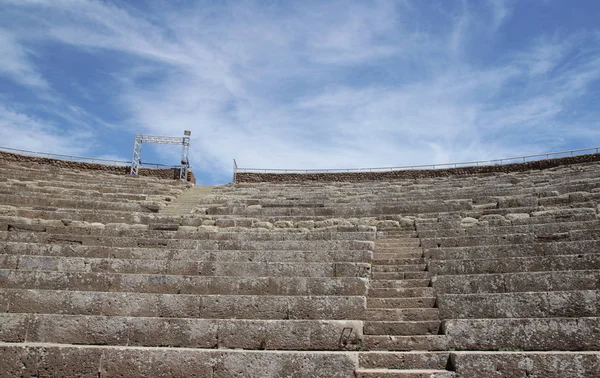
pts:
pixel 301 84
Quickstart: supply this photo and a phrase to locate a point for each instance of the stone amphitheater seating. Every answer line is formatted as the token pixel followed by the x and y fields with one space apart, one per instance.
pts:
pixel 488 275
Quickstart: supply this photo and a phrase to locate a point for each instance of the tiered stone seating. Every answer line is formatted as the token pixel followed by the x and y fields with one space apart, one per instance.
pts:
pixel 114 291
pixel 513 267
pixel 512 282
pixel 488 275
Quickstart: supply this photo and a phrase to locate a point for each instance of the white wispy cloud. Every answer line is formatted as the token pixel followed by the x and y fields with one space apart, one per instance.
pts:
pixel 16 65
pixel 325 84
pixel 17 130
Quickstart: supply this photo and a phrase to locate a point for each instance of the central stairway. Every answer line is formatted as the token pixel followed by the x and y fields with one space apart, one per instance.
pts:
pixel 187 201
pixel 401 314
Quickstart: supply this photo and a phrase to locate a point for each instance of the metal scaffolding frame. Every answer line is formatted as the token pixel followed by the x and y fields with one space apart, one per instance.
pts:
pixel 184 141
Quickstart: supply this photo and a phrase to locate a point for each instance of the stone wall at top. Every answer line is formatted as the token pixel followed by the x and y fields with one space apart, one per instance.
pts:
pixel 161 173
pixel 250 177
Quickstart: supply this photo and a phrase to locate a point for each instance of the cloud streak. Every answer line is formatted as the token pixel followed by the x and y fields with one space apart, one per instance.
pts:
pixel 23 132
pixel 16 64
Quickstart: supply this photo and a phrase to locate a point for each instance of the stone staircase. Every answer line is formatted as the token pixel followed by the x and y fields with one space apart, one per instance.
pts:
pixel 187 201
pixel 401 314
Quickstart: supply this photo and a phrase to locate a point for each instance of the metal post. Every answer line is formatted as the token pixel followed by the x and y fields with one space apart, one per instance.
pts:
pixel 185 162
pixel 137 155
pixel 235 168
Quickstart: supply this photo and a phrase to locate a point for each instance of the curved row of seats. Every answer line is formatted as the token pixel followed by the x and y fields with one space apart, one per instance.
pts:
pixel 95 278
pixel 465 276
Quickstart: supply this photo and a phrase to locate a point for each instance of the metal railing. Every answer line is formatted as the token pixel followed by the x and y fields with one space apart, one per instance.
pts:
pixel 510 160
pixel 81 158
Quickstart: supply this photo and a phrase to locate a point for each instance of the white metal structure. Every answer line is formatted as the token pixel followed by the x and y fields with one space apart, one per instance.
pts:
pixel 184 141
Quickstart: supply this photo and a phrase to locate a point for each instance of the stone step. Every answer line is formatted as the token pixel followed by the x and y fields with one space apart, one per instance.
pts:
pixel 372 209
pixel 510 251
pixel 525 219
pixel 397 249
pixel 180 332
pixel 401 292
pixel 394 243
pixel 585 261
pixel 555 364
pixel 110 182
pixel 18 248
pixel 385 235
pixel 505 211
pixel 164 284
pixel 569 198
pixel 416 254
pixel 525 238
pixel 75 193
pixel 517 282
pixel 406 343
pixel 412 240
pixel 583 303
pixel 388 276
pixel 61 179
pixel 384 284
pixel 418 302
pixel 179 204
pixel 531 334
pixel 399 261
pixel 171 230
pixel 567 213
pixel 288 203
pixel 405 276
pixel 70 203
pixel 184 267
pixel 19 176
pixel 399 268
pixel 73 302
pixel 403 360
pixel 251 245
pixel 402 328
pixel 402 314
pixel 55 360
pixel 356 193
pixel 93 216
pixel 274 218
pixel 177 211
pixel 559 215
pixel 396 373
pixel 513 229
